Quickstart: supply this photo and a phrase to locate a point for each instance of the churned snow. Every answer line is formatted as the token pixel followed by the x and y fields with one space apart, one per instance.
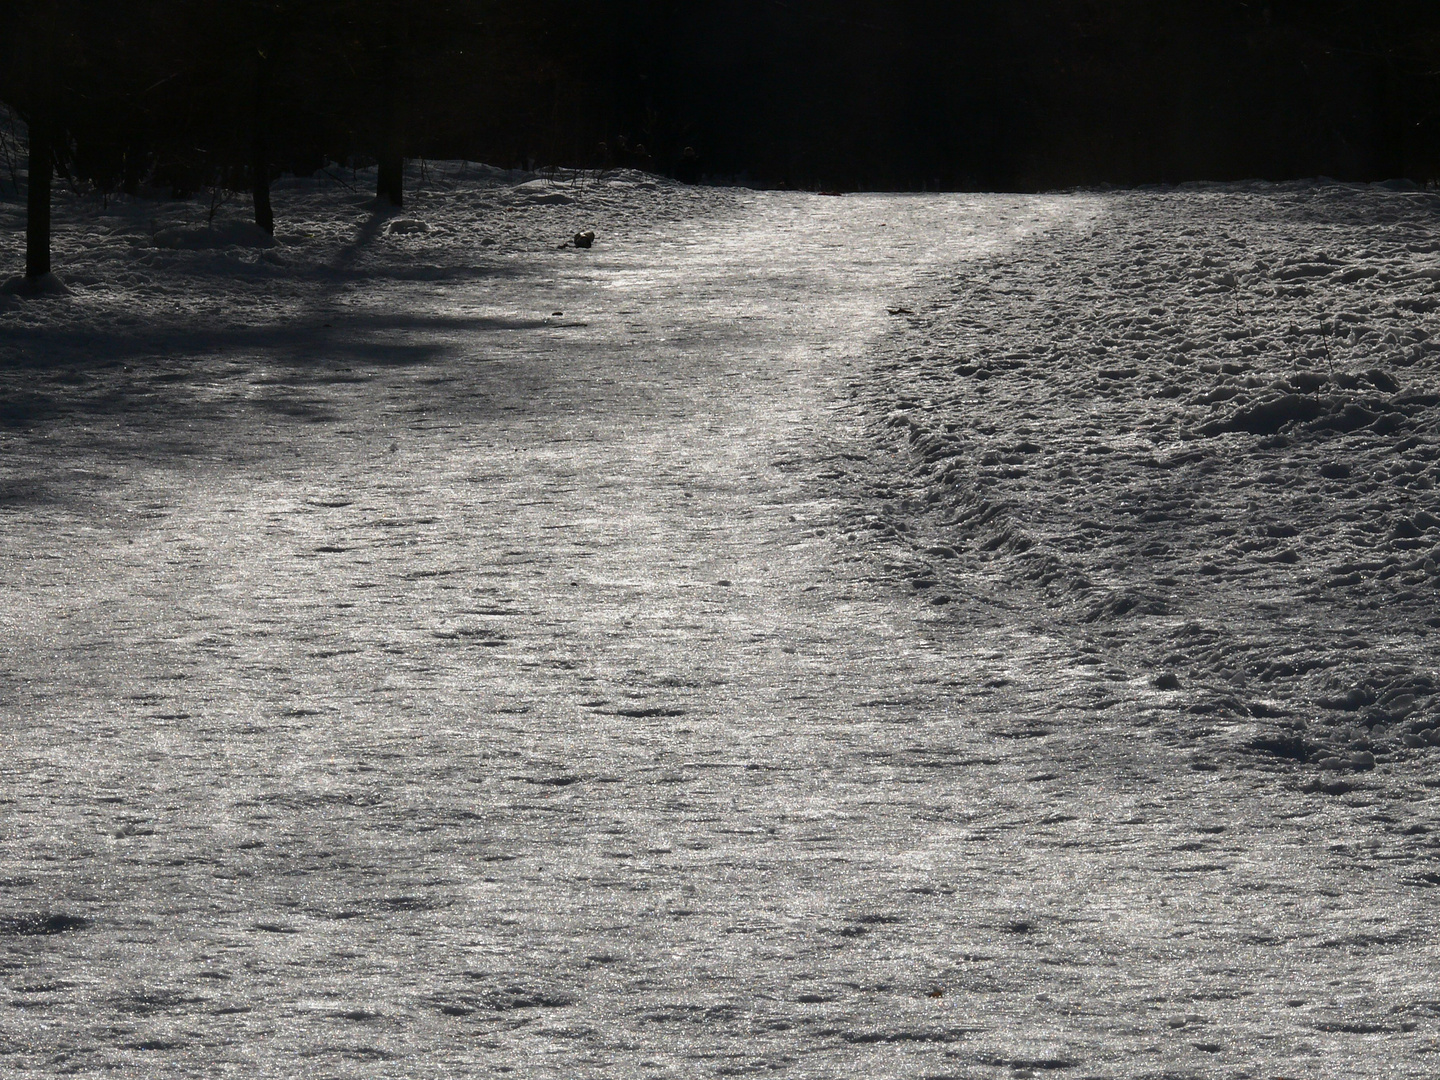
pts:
pixel 1205 432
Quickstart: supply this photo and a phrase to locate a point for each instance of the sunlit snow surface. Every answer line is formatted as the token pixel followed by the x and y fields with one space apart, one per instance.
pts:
pixel 867 636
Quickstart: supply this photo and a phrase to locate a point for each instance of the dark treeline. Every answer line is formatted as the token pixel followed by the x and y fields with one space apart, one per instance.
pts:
pixel 1017 94
pixel 1136 92
pixel 1049 93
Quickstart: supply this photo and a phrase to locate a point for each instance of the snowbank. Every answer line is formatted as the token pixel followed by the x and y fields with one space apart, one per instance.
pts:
pixel 1204 436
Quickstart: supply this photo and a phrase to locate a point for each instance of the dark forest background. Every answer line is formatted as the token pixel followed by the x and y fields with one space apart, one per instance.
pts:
pixel 903 94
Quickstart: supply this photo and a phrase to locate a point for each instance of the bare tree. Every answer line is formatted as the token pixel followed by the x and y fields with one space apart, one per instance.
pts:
pixel 390 182
pixel 260 144
pixel 38 60
pixel 37 198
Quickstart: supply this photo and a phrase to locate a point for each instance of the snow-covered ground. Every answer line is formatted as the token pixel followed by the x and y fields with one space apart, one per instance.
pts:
pixel 867 636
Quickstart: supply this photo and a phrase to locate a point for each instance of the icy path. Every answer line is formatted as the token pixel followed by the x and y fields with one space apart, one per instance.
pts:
pixel 460 688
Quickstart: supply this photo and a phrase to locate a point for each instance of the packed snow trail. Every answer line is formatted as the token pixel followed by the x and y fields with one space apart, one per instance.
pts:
pixel 446 667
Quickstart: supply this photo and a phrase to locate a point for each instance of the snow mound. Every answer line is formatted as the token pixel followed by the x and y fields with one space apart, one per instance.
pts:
pixel 639 178
pixel 484 173
pixel 218 235
pixel 406 227
pixel 542 193
pixel 35 288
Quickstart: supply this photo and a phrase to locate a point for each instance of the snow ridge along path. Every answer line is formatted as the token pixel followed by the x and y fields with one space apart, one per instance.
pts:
pixel 419 663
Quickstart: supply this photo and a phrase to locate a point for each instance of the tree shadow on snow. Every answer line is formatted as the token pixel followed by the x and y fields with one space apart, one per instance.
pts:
pixel 315 341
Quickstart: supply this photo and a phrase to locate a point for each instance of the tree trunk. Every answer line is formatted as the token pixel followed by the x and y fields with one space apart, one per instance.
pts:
pixel 260 184
pixel 37 204
pixel 260 148
pixel 130 175
pixel 391 183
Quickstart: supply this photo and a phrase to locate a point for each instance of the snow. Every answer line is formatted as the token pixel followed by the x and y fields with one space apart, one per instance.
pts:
pixel 1210 426
pixel 244 234
pixel 24 287
pixel 975 636
pixel 405 227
